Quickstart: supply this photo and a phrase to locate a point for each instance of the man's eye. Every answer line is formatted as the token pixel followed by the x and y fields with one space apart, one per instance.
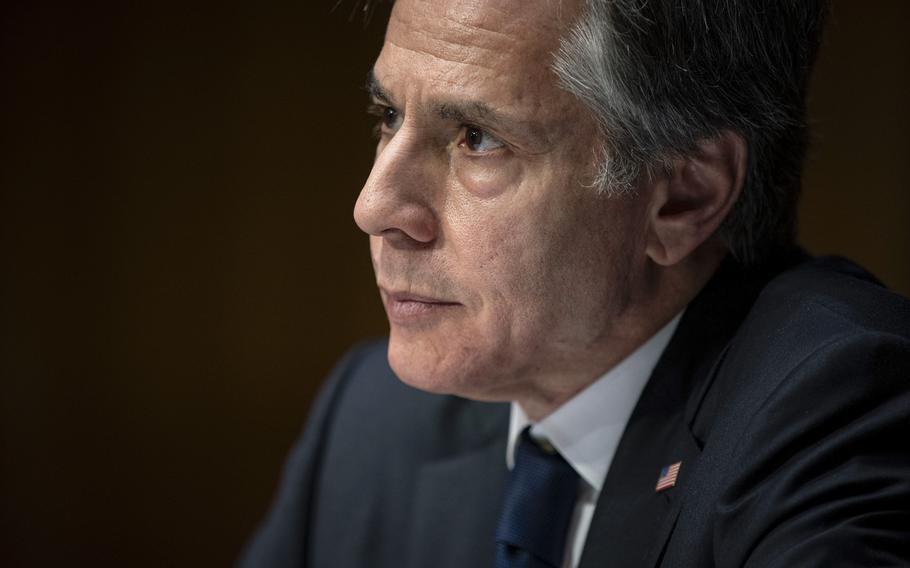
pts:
pixel 390 118
pixel 477 140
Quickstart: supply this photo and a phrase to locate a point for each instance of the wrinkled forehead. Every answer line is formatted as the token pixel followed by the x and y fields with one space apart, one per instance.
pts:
pixel 465 29
pixel 499 52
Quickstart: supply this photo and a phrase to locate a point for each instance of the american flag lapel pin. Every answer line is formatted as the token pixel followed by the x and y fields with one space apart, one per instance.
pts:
pixel 668 477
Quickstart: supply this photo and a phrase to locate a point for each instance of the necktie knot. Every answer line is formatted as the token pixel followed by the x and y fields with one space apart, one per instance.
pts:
pixel 540 499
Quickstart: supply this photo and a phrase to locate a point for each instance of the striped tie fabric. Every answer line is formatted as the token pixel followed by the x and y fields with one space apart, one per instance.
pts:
pixel 540 498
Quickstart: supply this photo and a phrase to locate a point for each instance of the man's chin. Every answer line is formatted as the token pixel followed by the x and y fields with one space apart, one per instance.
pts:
pixel 430 370
pixel 414 370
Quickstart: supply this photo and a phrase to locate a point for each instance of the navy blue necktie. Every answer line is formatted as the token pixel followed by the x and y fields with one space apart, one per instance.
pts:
pixel 540 499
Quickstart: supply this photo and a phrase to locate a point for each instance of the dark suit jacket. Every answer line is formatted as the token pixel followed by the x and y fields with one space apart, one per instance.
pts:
pixel 785 396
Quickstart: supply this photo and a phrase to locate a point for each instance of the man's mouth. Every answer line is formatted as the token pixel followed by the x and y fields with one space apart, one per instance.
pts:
pixel 406 307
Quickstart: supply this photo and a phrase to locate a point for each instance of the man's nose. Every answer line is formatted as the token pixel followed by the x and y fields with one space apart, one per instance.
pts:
pixel 395 202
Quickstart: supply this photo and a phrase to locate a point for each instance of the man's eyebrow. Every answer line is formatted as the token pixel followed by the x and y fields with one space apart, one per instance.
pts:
pixel 479 113
pixel 376 90
pixel 470 111
pixel 473 112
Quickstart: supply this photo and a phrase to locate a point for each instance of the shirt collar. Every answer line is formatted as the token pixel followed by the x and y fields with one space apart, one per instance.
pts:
pixel 586 429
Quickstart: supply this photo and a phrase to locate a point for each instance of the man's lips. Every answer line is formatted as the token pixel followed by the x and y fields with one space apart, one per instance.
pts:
pixel 407 307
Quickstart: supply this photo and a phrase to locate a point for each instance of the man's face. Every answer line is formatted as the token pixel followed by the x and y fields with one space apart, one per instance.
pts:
pixel 501 269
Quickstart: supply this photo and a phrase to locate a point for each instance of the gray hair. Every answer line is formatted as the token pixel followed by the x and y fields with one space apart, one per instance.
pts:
pixel 663 75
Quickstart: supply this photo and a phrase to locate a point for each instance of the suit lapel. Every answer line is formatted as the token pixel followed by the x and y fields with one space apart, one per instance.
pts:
pixel 457 503
pixel 632 521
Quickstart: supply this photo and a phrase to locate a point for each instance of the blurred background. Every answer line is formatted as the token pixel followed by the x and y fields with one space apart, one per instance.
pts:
pixel 180 267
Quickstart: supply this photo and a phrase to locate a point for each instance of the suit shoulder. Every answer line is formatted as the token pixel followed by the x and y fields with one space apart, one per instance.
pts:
pixel 826 289
pixel 805 444
pixel 807 331
pixel 819 302
pixel 800 429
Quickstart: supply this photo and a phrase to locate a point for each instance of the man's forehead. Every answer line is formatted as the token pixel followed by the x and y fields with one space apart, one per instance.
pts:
pixel 523 24
pixel 478 12
pixel 485 63
pixel 497 43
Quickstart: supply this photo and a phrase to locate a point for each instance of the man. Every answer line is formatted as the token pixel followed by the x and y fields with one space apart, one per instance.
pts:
pixel 605 349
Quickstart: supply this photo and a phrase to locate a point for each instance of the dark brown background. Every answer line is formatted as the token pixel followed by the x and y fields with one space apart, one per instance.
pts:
pixel 180 267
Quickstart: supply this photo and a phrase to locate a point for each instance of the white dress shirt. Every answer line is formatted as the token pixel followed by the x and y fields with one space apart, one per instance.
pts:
pixel 586 429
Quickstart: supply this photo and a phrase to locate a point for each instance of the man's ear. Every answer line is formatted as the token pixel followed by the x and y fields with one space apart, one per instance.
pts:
pixel 690 201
